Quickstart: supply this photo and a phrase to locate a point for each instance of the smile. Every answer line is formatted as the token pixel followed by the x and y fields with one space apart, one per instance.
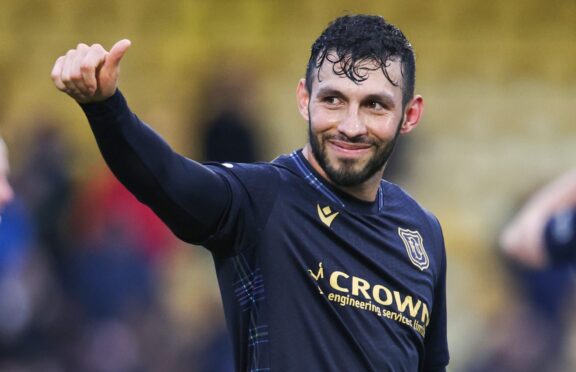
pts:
pixel 349 148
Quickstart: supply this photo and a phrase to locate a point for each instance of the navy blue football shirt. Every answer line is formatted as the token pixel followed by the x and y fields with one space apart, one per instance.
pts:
pixel 311 278
pixel 315 280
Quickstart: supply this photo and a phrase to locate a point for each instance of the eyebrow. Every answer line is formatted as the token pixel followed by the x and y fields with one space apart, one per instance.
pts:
pixel 327 91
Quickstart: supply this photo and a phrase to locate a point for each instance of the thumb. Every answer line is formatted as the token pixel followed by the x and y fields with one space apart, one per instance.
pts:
pixel 117 52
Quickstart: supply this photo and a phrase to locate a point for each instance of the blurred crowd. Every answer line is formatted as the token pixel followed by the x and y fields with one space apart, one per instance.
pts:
pixel 87 273
pixel 91 280
pixel 537 249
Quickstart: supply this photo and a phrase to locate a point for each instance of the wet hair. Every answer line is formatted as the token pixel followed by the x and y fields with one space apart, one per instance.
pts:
pixel 349 42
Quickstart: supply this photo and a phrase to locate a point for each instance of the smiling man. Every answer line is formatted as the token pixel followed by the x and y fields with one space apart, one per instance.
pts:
pixel 322 265
pixel 354 121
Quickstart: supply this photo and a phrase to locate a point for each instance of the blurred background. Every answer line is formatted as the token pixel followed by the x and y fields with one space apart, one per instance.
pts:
pixel 91 281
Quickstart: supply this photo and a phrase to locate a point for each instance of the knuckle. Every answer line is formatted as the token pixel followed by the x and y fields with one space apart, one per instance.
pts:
pixel 97 46
pixel 75 76
pixel 65 78
pixel 86 67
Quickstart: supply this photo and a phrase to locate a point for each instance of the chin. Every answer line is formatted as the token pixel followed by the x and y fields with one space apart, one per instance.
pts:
pixel 348 165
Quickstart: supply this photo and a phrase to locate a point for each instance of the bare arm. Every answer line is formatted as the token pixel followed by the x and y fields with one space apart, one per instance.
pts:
pixel 523 237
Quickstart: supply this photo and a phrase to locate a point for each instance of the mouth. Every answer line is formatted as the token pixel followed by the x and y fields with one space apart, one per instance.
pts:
pixel 350 148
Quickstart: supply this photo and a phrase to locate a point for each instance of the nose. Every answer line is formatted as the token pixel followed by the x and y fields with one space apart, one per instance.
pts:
pixel 352 125
pixel 6 193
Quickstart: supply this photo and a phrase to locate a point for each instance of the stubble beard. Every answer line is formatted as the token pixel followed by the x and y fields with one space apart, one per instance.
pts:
pixel 346 175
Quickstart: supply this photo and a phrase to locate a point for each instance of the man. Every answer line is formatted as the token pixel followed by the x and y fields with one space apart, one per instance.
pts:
pixel 322 265
pixel 6 193
pixel 543 233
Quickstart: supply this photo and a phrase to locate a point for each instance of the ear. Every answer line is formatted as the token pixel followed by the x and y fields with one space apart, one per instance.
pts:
pixel 303 98
pixel 412 115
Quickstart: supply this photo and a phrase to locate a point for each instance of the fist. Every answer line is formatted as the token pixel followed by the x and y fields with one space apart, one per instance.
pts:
pixel 89 73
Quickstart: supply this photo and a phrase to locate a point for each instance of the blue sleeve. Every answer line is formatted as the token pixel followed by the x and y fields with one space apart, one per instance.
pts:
pixel 436 355
pixel 189 197
pixel 560 237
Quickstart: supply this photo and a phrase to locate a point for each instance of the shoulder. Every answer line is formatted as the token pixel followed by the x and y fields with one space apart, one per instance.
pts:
pixel 259 174
pixel 251 184
pixel 400 200
pixel 253 194
pixel 413 217
pixel 253 173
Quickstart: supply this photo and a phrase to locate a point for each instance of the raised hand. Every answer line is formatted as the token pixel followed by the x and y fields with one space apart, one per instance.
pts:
pixel 89 73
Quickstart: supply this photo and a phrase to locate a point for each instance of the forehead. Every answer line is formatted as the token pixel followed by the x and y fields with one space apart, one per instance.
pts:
pixel 332 74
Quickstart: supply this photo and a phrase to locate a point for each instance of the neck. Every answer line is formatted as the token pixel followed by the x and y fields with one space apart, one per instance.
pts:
pixel 366 191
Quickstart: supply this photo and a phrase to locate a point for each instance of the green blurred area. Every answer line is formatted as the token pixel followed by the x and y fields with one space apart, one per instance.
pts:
pixel 498 78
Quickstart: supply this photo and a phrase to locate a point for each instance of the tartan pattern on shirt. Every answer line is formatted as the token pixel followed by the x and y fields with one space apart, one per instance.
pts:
pixel 249 289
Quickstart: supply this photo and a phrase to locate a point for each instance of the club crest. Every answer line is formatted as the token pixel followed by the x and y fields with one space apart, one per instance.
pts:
pixel 414 247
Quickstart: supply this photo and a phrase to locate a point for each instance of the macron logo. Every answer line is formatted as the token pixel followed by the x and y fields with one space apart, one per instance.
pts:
pixel 326 215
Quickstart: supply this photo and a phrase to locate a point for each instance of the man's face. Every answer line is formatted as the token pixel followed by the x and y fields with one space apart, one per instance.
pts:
pixel 6 193
pixel 353 127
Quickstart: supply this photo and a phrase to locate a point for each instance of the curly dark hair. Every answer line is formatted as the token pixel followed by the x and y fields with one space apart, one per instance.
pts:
pixel 351 40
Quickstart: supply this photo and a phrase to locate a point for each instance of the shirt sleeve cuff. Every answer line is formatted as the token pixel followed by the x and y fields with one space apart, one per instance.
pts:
pixel 110 106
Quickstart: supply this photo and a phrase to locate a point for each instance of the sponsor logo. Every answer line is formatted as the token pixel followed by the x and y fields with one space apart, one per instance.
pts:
pixel 358 293
pixel 326 215
pixel 414 247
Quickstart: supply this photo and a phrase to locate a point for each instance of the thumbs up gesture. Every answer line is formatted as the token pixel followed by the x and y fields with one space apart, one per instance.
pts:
pixel 89 73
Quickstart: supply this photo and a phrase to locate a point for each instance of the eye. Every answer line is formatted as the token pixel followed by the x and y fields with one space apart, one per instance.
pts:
pixel 331 100
pixel 375 105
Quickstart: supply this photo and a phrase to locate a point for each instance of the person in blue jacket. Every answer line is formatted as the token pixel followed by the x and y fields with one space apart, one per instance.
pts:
pixel 543 233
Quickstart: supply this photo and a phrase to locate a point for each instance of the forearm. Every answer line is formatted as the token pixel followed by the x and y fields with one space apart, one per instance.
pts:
pixel 523 237
pixel 559 194
pixel 187 196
